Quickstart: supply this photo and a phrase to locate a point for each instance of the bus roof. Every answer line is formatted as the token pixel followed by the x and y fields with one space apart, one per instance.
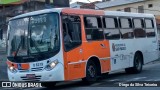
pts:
pixel 58 10
pixel 84 12
pixel 63 10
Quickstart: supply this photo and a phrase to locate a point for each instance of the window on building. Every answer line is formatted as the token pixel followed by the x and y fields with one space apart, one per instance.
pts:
pixel 126 28
pixel 139 28
pixel 128 9
pixel 118 9
pixel 93 28
pixel 149 27
pixel 140 9
pixel 71 32
pixel 51 1
pixel 150 5
pixel 111 30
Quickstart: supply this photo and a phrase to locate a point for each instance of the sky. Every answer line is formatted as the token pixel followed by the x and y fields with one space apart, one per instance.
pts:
pixel 84 0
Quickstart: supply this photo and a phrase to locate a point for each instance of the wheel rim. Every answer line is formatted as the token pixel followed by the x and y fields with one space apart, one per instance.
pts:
pixel 91 71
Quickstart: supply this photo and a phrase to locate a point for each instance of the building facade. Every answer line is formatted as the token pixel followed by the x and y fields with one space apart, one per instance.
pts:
pixel 83 5
pixel 137 6
pixel 77 4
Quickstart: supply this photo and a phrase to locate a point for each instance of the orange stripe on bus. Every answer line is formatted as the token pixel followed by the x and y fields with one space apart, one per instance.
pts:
pixel 11 64
pixel 83 11
pixel 25 66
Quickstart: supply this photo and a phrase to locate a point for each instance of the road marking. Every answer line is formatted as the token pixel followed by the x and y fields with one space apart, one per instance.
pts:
pixel 157 80
pixel 150 80
pixel 135 79
pixel 96 84
pixel 114 80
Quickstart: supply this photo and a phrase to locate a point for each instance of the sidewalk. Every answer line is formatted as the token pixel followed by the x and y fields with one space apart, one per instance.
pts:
pixel 2 51
pixel 2 54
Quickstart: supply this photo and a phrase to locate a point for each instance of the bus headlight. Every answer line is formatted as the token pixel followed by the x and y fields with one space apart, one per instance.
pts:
pixel 51 65
pixel 12 69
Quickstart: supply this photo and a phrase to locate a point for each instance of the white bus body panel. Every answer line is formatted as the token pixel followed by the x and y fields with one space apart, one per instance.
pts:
pixel 123 50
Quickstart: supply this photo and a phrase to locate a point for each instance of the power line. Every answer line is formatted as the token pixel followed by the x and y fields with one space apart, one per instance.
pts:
pixel 93 4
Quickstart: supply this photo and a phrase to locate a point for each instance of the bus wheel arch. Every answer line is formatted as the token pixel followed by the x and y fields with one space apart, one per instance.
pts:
pixel 96 63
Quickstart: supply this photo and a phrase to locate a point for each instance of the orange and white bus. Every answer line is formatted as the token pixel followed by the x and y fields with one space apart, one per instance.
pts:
pixel 64 44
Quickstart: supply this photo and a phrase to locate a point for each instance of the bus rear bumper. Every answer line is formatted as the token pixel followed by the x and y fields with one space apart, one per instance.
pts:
pixel 56 74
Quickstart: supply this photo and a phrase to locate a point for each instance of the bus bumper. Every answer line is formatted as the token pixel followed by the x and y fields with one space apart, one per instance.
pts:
pixel 56 74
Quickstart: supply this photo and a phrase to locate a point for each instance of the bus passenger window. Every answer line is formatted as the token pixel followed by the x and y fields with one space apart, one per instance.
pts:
pixel 126 28
pixel 111 30
pixel 71 32
pixel 139 28
pixel 149 28
pixel 93 28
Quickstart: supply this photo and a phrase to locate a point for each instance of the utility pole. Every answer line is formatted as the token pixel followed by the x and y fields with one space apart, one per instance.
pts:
pixel 3 14
pixel 29 4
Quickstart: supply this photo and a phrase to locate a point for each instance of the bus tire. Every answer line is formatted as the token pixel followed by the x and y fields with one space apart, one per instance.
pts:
pixel 91 73
pixel 49 84
pixel 138 64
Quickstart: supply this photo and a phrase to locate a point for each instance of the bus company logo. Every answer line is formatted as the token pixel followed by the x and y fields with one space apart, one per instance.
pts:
pixel 6 84
pixel 113 47
pixel 19 66
pixel 118 47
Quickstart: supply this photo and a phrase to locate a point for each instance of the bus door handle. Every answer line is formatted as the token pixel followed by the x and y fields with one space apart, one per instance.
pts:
pixel 102 45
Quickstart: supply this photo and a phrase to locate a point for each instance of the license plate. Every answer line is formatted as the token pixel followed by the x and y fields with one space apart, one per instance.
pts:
pixel 31 76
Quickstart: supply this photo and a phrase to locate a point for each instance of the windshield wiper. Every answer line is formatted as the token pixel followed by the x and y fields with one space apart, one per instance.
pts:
pixel 19 45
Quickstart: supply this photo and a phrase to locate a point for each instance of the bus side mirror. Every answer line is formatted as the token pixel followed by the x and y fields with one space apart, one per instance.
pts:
pixel 1 34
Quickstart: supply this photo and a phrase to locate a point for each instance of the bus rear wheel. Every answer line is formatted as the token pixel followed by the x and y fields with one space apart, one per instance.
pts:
pixel 138 64
pixel 91 73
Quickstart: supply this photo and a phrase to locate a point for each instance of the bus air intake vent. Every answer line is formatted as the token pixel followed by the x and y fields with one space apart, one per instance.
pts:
pixel 37 69
pixel 37 78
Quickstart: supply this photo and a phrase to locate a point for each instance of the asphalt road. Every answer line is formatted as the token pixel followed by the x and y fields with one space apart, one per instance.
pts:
pixel 151 72
pixel 3 67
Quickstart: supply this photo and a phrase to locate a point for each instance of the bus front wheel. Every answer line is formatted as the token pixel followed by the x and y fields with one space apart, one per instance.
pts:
pixel 91 73
pixel 138 64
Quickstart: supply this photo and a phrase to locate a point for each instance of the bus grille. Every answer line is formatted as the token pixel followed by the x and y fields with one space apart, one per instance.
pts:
pixel 21 70
pixel 37 69
pixel 37 78
pixel 32 69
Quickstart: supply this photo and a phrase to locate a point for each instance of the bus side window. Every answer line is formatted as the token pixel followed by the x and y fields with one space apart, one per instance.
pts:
pixel 126 28
pixel 93 28
pixel 149 28
pixel 139 31
pixel 71 32
pixel 111 30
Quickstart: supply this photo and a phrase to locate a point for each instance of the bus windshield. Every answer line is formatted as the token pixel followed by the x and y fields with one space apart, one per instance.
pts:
pixel 35 35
